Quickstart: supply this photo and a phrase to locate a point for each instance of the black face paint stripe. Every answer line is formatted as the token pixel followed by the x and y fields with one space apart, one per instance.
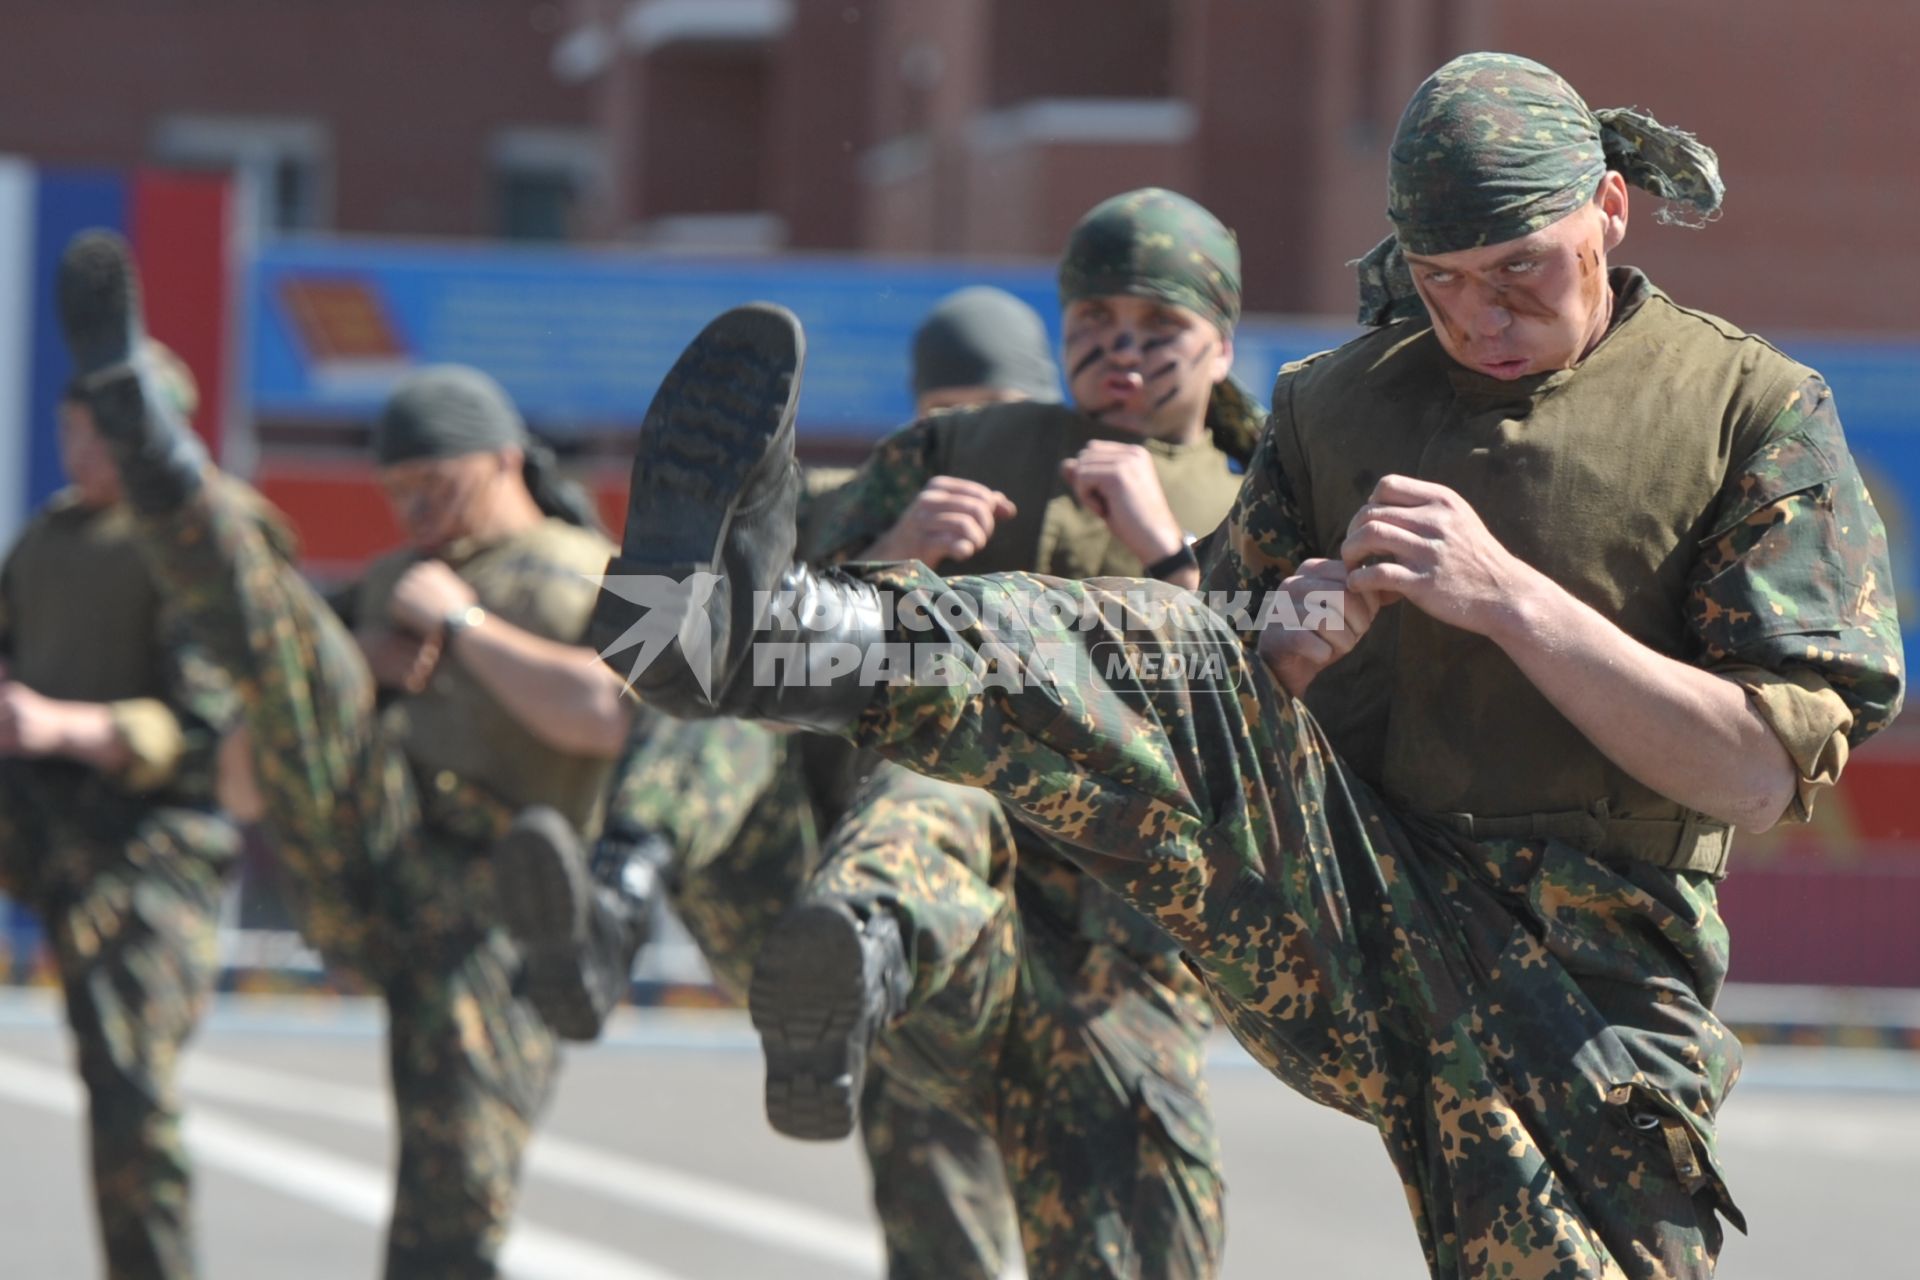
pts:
pixel 1154 344
pixel 1087 361
pixel 1163 371
pixel 1161 403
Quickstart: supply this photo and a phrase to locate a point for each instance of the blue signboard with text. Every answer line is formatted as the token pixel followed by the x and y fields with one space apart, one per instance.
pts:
pixel 580 338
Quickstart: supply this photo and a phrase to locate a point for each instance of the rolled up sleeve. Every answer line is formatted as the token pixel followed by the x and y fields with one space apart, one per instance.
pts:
pixel 1810 720
pixel 1792 596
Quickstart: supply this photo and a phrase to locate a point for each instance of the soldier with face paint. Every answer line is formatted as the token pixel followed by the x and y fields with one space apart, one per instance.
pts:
pixel 985 971
pixel 1149 292
pixel 1606 586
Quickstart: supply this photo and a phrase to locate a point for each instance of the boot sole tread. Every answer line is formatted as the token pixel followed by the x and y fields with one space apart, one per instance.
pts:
pixel 806 1001
pixel 543 907
pixel 708 428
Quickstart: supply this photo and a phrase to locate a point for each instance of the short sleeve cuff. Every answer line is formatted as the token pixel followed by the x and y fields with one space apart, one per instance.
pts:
pixel 1810 720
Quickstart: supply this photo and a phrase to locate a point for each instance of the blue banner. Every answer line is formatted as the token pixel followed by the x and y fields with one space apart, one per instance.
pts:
pixel 580 339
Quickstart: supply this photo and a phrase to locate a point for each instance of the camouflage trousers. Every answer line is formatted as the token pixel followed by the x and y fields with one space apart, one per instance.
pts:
pixel 378 888
pixel 1080 1058
pixel 731 800
pixel 1528 1027
pixel 729 803
pixel 129 893
pixel 939 1188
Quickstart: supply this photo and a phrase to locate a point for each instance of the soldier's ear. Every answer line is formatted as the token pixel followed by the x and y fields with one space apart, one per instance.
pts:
pixel 1614 207
pixel 1223 359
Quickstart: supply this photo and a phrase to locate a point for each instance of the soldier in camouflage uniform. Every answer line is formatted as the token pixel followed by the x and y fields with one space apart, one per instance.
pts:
pixel 384 819
pixel 1589 580
pixel 110 726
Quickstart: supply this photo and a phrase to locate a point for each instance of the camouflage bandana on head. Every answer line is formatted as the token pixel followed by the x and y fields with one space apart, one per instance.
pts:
pixel 1154 243
pixel 1493 147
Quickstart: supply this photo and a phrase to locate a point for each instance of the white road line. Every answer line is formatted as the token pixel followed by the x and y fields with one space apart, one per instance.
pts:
pixel 717 1205
pixel 347 1188
pixel 714 1205
pixel 39 1087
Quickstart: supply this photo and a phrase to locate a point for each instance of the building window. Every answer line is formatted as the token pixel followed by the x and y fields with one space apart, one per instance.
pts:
pixel 540 179
pixel 283 165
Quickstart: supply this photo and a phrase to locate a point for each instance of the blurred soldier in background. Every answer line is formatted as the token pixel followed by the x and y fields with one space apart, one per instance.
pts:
pixel 724 816
pixel 110 732
pixel 939 1183
pixel 981 346
pixel 384 819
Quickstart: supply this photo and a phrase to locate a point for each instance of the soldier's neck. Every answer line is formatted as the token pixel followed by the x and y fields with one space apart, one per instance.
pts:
pixel 508 510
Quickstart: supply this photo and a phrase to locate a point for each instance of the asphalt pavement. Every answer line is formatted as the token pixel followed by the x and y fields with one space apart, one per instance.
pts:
pixel 657 1165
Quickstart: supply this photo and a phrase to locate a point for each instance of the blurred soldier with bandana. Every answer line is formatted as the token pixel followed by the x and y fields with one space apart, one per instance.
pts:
pixel 1579 581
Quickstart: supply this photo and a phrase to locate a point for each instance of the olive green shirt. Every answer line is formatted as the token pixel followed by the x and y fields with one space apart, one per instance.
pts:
pixel 1017 449
pixel 457 734
pixel 1686 480
pixel 82 620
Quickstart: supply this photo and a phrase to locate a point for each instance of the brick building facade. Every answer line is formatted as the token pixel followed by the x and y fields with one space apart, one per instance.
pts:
pixel 979 127
pixel 987 126
pixel 427 117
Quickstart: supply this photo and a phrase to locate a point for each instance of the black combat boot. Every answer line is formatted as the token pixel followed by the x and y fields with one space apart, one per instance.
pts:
pixel 579 921
pixel 710 538
pixel 161 461
pixel 824 985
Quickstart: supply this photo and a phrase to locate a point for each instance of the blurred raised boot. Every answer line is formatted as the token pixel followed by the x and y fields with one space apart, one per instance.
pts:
pixel 161 461
pixel 579 921
pixel 824 985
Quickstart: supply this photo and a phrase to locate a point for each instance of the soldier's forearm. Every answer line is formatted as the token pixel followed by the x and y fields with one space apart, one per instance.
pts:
pixel 87 732
pixel 563 694
pixel 1686 733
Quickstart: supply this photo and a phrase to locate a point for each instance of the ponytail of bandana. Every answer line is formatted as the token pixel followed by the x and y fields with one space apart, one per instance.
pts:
pixel 1664 161
pixel 1234 420
pixel 552 492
